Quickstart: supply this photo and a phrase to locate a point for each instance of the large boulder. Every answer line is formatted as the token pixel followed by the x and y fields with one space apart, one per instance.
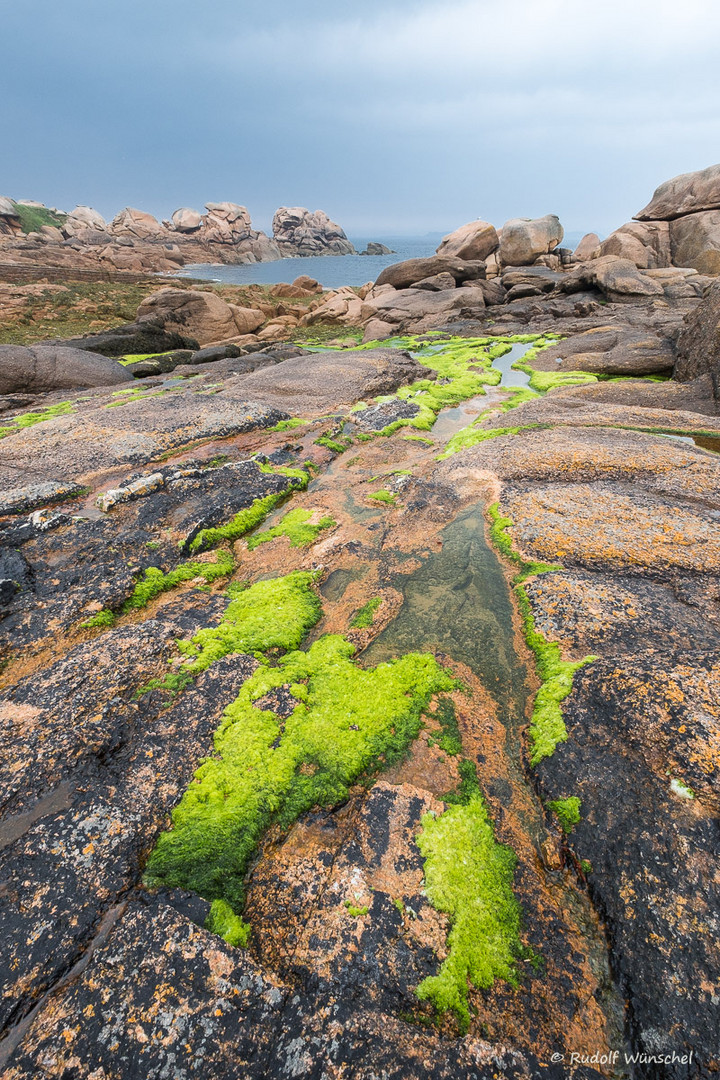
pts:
pixel 132 339
pixel 618 279
pixel 298 231
pixel 688 193
pixel 523 239
pixel 319 382
pixel 202 314
pixel 49 367
pixel 83 217
pixel 137 224
pixel 587 248
pixel 647 244
pixel 698 345
pixel 476 240
pixel 608 350
pixel 404 274
pixel 186 220
pixel 695 241
pixel 226 223
pixel 405 307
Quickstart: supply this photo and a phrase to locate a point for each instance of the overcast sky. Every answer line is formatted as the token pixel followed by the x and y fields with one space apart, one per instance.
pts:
pixel 394 116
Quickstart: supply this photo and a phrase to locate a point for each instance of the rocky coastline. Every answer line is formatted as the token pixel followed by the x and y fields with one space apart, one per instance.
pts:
pixel 360 660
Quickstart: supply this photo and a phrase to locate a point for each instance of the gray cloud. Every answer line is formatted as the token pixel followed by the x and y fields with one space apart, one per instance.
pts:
pixel 396 117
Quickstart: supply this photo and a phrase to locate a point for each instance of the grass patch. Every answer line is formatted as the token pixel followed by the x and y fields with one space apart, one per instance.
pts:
pixel 32 218
pixel 296 525
pixel 567 811
pixel 366 615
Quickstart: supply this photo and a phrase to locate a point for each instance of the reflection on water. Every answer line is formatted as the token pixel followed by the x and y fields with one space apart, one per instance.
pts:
pixel 458 603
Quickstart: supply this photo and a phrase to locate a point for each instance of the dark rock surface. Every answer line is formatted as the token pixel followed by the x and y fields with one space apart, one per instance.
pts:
pixel 49 367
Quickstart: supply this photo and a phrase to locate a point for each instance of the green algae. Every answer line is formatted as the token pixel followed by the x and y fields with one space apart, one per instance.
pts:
pixel 567 812
pixel 383 496
pixel 366 615
pixel 547 728
pixel 287 425
pixel 296 525
pixel 469 877
pixel 254 514
pixel 265 770
pixel 29 419
pixel 333 444
pixel 356 912
pixel 136 358
pixel 419 438
pixel 471 436
pixel 500 537
pixel 223 921
pixel 269 615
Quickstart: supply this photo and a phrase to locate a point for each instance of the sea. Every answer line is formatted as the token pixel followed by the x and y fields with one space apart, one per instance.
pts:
pixel 332 271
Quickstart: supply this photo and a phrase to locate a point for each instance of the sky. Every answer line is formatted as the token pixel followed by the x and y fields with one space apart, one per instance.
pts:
pixel 394 116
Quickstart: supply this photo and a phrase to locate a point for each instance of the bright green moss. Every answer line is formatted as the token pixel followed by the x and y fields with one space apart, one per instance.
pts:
pixel 297 526
pixel 223 921
pixel 383 496
pixel 250 518
pixel 567 812
pixel 103 619
pixel 287 425
pixel 352 722
pixel 366 614
pixel 272 614
pixel 29 419
pixel 471 436
pixel 156 582
pixel 469 876
pixel 548 727
pixel 136 358
pixel 503 542
pixel 333 444
pixel 418 438
pixel 356 912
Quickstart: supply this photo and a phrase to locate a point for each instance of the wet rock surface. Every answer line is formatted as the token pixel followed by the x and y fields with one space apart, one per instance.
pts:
pixel 103 976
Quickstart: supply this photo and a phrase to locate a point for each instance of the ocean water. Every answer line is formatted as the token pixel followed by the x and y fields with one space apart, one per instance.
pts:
pixel 331 271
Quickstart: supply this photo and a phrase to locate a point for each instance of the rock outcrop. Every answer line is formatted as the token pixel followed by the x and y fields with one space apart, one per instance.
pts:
pixel 203 315
pixel 688 193
pixel 55 367
pixel 298 231
pixel 476 240
pixel 523 240
pixel 698 344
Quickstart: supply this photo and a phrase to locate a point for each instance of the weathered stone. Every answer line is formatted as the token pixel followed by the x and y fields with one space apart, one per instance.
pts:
pixel 298 231
pixel 476 240
pixel 403 274
pixel 587 248
pixel 202 314
pixel 136 223
pixel 645 244
pixel 698 345
pixel 523 239
pixel 435 283
pixel 695 241
pixel 186 220
pixel 688 193
pixel 51 367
